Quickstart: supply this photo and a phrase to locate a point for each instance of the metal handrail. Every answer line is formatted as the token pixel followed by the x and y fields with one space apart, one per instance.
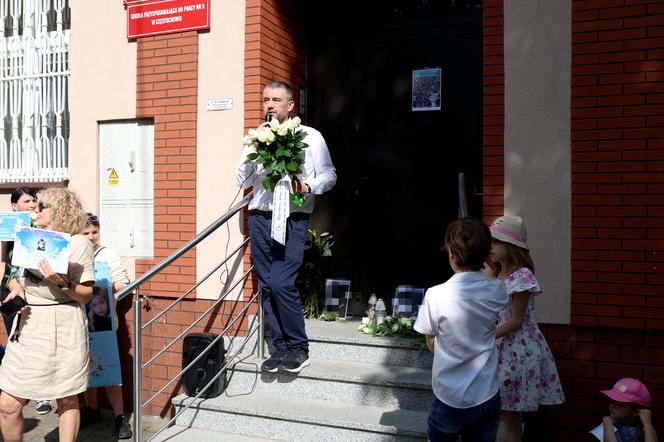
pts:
pixel 463 205
pixel 229 359
pixel 135 287
pixel 195 323
pixel 200 356
pixel 137 283
pixel 195 286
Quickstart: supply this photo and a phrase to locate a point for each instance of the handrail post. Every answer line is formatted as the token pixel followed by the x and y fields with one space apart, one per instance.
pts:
pixel 463 204
pixel 138 351
pixel 261 326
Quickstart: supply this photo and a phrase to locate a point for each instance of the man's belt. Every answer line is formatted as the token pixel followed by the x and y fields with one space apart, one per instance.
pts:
pixel 295 216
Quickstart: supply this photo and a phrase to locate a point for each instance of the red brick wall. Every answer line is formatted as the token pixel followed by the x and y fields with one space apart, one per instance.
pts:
pixel 590 359
pixel 617 163
pixel 166 87
pixel 494 110
pixel 274 50
pixel 617 158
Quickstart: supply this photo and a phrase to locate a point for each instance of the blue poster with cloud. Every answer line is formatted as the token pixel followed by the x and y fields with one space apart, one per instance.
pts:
pixel 10 222
pixel 105 367
pixel 32 245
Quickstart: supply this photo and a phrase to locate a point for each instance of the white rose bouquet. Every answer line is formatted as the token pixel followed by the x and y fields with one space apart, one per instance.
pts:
pixel 279 149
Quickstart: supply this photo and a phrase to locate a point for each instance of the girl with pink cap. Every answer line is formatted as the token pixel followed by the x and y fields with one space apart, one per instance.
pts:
pixel 629 418
pixel 526 369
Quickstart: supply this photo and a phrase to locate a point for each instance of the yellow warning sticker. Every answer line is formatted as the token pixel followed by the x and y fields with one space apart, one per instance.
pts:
pixel 113 179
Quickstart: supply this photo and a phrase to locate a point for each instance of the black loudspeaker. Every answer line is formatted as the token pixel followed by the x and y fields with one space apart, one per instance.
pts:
pixel 200 374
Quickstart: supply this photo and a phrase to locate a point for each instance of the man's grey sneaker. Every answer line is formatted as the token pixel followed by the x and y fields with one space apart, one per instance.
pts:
pixel 271 365
pixel 122 428
pixel 295 360
pixel 43 407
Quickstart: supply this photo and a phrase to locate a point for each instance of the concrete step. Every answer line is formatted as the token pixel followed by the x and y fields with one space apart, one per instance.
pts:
pixel 341 340
pixel 279 416
pixel 179 433
pixel 358 383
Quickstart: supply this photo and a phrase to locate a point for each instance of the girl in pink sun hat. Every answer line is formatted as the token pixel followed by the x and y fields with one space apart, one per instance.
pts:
pixel 526 369
pixel 629 418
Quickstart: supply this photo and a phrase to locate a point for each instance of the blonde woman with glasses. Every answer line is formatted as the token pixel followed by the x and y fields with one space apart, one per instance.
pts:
pixel 48 354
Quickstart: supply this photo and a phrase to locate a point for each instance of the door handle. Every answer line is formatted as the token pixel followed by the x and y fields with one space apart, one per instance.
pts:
pixel 131 161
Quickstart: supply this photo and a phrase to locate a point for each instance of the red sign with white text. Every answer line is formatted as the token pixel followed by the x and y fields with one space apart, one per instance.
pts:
pixel 155 17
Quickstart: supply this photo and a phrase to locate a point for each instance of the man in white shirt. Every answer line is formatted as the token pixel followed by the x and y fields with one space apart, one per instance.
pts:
pixel 459 319
pixel 276 265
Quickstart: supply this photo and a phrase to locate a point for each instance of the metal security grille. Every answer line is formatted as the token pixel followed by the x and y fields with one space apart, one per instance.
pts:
pixel 34 86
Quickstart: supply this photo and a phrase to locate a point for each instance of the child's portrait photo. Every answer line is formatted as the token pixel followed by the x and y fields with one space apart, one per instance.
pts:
pixel 99 311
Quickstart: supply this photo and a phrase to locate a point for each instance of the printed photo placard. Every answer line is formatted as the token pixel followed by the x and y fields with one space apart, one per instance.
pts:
pixel 10 222
pixel 33 245
pixel 337 296
pixel 407 300
pixel 104 355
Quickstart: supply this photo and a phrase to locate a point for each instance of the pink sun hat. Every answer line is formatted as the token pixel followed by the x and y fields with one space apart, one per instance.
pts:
pixel 510 229
pixel 629 390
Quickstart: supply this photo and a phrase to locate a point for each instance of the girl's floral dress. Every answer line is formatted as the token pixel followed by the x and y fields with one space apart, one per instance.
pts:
pixel 528 375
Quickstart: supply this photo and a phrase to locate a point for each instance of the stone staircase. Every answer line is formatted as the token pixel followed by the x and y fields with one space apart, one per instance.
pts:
pixel 357 388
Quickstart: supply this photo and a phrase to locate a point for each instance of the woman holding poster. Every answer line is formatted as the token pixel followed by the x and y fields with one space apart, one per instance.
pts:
pixel 119 278
pixel 47 355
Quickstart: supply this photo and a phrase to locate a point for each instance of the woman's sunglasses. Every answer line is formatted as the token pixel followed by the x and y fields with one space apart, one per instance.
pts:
pixel 41 206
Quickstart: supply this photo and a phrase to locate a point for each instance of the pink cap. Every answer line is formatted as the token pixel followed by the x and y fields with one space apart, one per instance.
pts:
pixel 629 390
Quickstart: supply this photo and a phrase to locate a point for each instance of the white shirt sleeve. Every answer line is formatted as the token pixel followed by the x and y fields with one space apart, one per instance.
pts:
pixel 598 431
pixel 325 175
pixel 116 270
pixel 246 173
pixel 425 323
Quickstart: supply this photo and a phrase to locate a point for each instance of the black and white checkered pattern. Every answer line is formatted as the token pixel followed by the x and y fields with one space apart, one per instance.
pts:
pixel 337 296
pixel 407 300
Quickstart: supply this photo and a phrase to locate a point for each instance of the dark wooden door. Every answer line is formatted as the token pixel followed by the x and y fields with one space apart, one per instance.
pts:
pixel 397 169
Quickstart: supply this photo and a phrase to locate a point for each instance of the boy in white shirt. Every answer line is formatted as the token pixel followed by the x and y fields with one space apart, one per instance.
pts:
pixel 459 319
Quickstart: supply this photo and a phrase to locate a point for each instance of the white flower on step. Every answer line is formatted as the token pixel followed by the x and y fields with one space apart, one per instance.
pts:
pixel 365 321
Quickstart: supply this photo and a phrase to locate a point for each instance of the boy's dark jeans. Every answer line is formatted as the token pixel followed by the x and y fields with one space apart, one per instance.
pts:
pixel 475 424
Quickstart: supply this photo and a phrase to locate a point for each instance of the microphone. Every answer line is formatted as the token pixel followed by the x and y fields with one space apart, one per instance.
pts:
pixel 268 117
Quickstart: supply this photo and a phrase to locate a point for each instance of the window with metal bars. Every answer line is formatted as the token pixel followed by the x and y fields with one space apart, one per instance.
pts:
pixel 34 88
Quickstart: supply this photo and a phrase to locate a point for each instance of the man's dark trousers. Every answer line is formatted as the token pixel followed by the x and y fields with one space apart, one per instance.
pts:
pixel 277 267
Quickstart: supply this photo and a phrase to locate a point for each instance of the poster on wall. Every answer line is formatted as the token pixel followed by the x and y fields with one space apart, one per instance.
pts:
pixel 102 325
pixel 426 94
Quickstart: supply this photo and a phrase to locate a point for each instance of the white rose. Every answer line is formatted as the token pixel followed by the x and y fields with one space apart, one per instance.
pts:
pixel 252 133
pixel 274 123
pixel 365 321
pixel 282 130
pixel 263 135
pixel 247 140
pixel 270 137
pixel 296 122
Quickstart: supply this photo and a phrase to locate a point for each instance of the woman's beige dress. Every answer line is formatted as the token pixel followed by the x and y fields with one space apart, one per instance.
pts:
pixel 51 356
